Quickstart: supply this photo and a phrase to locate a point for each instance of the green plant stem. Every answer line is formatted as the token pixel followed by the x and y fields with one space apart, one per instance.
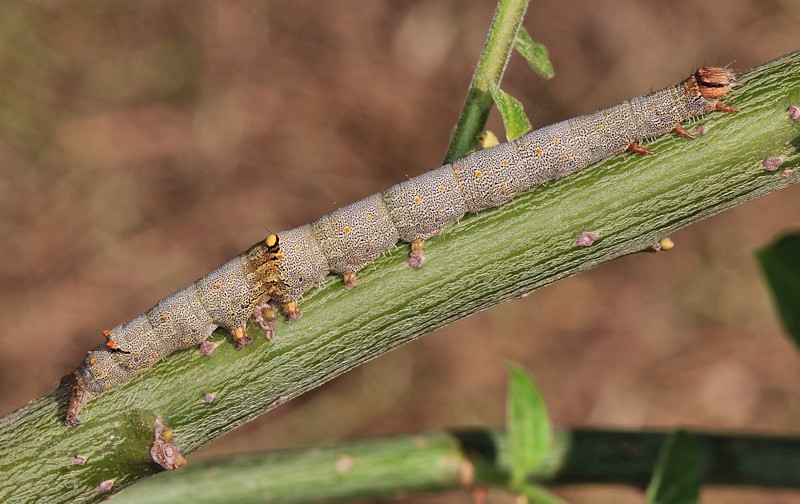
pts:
pixel 492 63
pixel 443 461
pixel 630 201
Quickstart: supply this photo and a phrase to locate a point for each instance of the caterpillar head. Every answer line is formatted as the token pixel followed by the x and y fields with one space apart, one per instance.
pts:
pixel 714 82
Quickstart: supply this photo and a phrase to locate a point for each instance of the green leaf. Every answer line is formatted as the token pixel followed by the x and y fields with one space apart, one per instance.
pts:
pixel 781 265
pixel 538 495
pixel 512 111
pixel 529 430
pixel 534 53
pixel 676 478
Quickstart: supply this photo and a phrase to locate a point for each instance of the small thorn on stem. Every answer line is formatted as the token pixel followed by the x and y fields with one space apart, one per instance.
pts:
pixel 772 163
pixel 586 239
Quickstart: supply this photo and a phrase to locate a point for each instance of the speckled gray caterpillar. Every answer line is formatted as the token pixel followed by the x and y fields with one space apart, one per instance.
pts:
pixel 285 266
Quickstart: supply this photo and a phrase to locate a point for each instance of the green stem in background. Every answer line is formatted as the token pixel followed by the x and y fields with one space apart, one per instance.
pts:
pixel 491 65
pixel 629 201
pixel 441 461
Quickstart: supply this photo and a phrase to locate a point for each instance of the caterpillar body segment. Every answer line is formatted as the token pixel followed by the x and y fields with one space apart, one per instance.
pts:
pixel 355 235
pixel 491 177
pixel 424 205
pixel 303 264
pixel 345 241
pixel 182 314
pixel 226 298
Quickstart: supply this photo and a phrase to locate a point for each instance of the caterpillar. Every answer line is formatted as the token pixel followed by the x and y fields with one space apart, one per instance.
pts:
pixel 285 265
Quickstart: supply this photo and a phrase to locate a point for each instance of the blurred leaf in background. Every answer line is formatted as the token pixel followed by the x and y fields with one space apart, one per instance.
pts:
pixel 780 263
pixel 529 430
pixel 676 478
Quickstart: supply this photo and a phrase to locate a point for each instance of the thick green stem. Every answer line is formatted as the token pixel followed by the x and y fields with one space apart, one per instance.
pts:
pixel 383 467
pixel 630 201
pixel 491 65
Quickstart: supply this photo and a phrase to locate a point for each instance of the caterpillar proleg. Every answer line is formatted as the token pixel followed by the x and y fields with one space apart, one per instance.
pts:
pixel 287 264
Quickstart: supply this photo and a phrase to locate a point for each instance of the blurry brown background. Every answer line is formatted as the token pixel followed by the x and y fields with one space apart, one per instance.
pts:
pixel 142 144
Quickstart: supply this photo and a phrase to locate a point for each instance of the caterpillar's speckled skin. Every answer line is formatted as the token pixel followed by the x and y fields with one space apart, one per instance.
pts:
pixel 283 268
pixel 226 297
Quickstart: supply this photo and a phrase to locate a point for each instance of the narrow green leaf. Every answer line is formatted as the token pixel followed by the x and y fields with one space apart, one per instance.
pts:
pixel 529 430
pixel 534 53
pixel 676 478
pixel 781 265
pixel 536 494
pixel 514 119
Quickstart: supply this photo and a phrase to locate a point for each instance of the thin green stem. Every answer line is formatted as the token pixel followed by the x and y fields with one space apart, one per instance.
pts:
pixel 491 65
pixel 444 461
